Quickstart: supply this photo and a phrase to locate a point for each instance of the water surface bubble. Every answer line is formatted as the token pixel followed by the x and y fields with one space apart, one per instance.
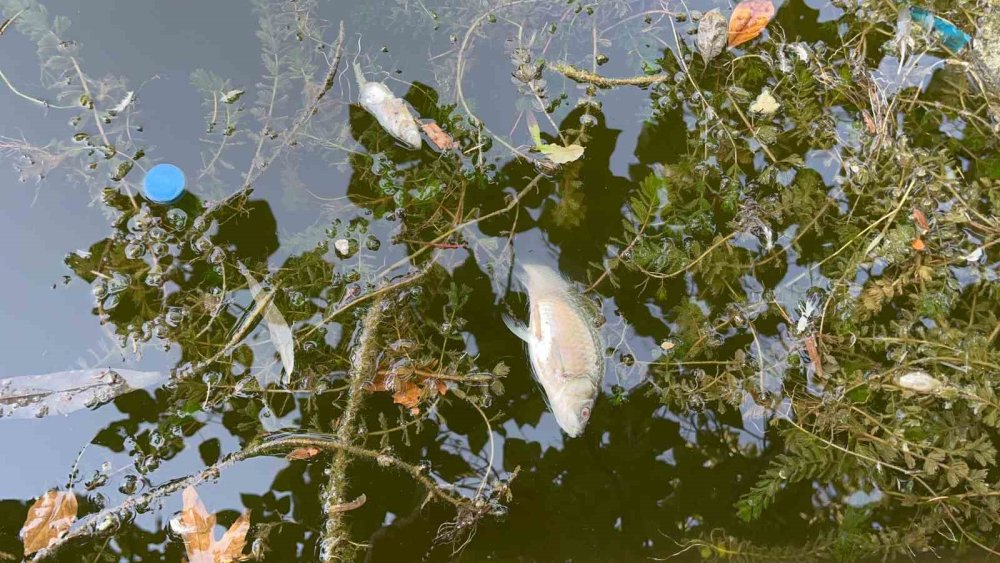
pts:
pixel 177 219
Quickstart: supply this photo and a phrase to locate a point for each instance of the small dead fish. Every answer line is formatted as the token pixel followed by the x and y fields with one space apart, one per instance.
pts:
pixel 391 112
pixel 564 347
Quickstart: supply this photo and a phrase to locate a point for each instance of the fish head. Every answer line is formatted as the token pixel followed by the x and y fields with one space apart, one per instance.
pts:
pixel 572 405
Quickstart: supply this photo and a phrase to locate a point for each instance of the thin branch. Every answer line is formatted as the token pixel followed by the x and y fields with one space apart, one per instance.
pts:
pixel 96 524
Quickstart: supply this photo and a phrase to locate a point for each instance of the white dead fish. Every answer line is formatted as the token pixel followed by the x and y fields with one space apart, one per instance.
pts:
pixel 564 347
pixel 391 112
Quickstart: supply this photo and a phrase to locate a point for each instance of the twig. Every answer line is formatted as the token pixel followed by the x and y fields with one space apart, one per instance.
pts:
pixel 256 170
pixel 579 75
pixel 94 525
pixel 30 98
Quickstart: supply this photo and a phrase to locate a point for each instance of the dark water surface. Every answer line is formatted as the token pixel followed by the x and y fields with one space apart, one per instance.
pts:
pixel 665 459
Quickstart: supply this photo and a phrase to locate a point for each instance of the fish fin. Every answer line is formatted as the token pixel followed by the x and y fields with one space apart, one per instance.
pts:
pixel 359 75
pixel 535 323
pixel 517 328
pixel 557 353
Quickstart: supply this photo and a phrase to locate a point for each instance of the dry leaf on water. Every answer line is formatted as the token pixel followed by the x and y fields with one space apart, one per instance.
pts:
pixel 437 136
pixel 556 154
pixel 560 154
pixel 281 334
pixel 48 519
pixel 197 528
pixel 921 220
pixel 407 392
pixel 302 453
pixel 712 34
pixel 348 506
pixel 749 19
pixel 814 357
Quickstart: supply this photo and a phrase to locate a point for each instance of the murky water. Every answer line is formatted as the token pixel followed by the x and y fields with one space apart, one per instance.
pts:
pixel 763 278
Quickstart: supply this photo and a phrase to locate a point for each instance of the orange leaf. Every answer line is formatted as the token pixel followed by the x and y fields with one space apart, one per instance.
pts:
pixel 921 220
pixel 302 453
pixel 869 123
pixel 442 387
pixel 814 357
pixel 48 519
pixel 407 394
pixel 749 19
pixel 437 136
pixel 918 244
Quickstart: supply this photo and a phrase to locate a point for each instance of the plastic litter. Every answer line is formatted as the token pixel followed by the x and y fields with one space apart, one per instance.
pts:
pixel 164 183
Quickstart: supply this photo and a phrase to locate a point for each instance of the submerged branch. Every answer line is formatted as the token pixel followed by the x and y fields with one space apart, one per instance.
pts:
pixel 363 365
pixel 108 520
pixel 580 75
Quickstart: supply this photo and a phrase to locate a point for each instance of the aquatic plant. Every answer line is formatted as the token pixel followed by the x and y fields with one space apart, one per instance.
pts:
pixel 797 271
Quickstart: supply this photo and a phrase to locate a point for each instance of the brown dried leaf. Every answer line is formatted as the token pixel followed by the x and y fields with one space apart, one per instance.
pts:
pixel 308 452
pixel 437 136
pixel 407 394
pixel 348 506
pixel 869 123
pixel 814 357
pixel 749 19
pixel 230 547
pixel 441 385
pixel 921 220
pixel 196 527
pixel 712 34
pixel 48 519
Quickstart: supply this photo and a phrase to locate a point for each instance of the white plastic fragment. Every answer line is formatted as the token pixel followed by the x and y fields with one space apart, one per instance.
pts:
pixel 765 104
pixel 342 246
pixel 919 382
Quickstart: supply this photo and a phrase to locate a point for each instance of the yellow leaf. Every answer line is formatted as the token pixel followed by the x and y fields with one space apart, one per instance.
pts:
pixel 749 19
pixel 48 519
pixel 560 154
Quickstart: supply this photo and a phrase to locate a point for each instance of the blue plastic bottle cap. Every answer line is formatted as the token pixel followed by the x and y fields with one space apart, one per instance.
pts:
pixel 163 183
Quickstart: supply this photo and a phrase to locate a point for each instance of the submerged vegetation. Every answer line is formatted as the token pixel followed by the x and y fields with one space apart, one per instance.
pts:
pixel 798 279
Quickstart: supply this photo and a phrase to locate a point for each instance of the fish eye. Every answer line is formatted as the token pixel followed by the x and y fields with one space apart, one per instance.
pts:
pixel 585 413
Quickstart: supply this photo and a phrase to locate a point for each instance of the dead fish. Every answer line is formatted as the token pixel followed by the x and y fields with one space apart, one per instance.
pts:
pixel 391 112
pixel 564 347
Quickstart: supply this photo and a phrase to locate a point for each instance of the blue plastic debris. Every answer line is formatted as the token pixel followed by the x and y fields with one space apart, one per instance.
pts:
pixel 164 183
pixel 953 38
